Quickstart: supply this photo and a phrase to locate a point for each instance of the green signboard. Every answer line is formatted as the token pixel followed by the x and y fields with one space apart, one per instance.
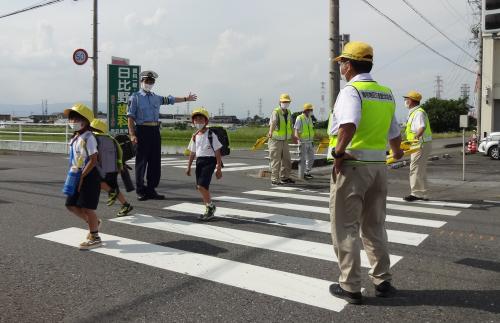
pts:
pixel 123 80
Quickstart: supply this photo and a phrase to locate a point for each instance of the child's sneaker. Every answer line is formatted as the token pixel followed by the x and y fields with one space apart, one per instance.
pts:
pixel 209 213
pixel 112 195
pixel 93 242
pixel 99 225
pixel 126 208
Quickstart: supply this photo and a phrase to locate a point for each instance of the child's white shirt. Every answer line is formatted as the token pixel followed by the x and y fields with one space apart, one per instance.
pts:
pixel 201 145
pixel 85 140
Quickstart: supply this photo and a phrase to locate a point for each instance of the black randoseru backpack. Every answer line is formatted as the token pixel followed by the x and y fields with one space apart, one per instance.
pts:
pixel 221 133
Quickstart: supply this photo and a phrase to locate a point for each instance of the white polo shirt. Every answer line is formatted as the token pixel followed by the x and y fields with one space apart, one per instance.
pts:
pixel 418 119
pixel 347 107
pixel 201 145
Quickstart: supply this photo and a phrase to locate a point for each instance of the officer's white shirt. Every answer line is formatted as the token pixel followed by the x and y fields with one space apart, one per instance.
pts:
pixel 348 107
pixel 333 126
pixel 418 120
pixel 201 145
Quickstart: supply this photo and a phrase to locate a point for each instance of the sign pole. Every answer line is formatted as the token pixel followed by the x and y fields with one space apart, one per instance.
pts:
pixel 463 154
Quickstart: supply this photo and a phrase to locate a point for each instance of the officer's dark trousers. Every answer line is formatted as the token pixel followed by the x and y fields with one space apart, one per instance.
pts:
pixel 148 159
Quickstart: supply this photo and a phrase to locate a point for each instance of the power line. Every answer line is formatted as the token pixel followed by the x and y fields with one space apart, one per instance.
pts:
pixel 436 28
pixel 415 38
pixel 35 6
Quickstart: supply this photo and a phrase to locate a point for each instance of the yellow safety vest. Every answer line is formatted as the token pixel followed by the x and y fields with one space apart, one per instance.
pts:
pixel 410 135
pixel 283 130
pixel 307 133
pixel 369 142
pixel 332 143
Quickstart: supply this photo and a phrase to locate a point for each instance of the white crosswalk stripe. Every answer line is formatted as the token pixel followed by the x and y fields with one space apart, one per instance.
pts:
pixel 389 198
pixel 228 167
pixel 277 208
pixel 327 199
pixel 298 288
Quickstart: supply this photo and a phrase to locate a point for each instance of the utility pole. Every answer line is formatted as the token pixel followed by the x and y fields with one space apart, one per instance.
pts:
pixel 478 38
pixel 334 84
pixel 439 87
pixel 94 62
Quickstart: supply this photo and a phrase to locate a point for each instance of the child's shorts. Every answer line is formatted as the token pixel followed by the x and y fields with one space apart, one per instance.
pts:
pixel 88 197
pixel 112 180
pixel 205 167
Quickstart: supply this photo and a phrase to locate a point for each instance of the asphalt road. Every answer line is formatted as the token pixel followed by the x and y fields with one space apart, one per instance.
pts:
pixel 268 258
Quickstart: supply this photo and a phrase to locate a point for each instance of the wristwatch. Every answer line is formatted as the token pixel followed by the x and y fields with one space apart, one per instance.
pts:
pixel 339 155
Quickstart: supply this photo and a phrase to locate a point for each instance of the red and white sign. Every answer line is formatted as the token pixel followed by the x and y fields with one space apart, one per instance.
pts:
pixel 80 56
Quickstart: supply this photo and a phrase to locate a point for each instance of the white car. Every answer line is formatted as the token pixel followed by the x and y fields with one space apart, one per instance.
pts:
pixel 490 146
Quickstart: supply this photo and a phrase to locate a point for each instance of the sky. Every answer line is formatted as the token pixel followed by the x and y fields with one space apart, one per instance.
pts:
pixel 226 51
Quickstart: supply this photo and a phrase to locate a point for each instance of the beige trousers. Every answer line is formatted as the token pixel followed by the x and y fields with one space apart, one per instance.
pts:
pixel 418 171
pixel 357 213
pixel 281 163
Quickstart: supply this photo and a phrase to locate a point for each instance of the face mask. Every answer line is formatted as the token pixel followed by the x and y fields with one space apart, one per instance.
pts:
pixel 284 105
pixel 199 126
pixel 147 87
pixel 342 76
pixel 75 126
pixel 407 105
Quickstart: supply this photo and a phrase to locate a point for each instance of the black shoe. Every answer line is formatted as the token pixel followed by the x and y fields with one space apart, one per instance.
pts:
pixel 412 198
pixel 385 289
pixel 157 196
pixel 308 176
pixel 276 183
pixel 288 181
pixel 142 197
pixel 351 298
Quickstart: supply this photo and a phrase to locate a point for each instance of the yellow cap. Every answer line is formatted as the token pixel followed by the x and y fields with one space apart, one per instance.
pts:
pixel 308 106
pixel 100 125
pixel 285 98
pixel 414 95
pixel 357 51
pixel 82 110
pixel 200 111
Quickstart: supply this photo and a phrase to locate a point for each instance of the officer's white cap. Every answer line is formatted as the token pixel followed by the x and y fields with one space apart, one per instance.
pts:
pixel 148 74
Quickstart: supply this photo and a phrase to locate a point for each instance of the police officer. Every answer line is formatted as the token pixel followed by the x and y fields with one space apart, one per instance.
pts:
pixel 144 130
pixel 418 129
pixel 364 112
pixel 304 130
pixel 280 131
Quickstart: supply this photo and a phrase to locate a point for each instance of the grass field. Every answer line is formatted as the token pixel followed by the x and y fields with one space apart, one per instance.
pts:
pixel 243 137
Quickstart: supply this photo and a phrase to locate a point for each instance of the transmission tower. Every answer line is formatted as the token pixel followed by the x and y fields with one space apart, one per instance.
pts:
pixel 439 87
pixel 260 107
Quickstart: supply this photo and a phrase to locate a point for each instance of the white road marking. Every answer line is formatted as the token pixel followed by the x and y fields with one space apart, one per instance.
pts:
pixel 391 206
pixel 289 286
pixel 389 198
pixel 402 237
pixel 297 247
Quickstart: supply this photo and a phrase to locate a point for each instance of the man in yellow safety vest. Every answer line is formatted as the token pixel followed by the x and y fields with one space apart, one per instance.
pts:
pixel 304 130
pixel 418 129
pixel 280 131
pixel 364 112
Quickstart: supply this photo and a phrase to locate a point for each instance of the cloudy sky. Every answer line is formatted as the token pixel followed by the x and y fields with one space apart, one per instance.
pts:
pixel 227 51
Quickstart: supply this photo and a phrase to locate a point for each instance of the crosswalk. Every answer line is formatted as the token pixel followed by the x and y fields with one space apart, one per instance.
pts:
pixel 287 208
pixel 176 162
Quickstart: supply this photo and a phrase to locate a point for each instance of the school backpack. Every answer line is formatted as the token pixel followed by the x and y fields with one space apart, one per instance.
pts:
pixel 128 147
pixel 107 154
pixel 221 134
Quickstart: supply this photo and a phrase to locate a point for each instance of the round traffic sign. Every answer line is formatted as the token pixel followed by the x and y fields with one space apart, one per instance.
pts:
pixel 80 56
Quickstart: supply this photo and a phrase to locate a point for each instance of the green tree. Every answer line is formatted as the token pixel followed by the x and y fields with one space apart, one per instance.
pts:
pixel 444 115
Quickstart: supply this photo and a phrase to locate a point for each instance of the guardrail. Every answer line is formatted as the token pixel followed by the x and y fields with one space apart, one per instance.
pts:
pixel 39 137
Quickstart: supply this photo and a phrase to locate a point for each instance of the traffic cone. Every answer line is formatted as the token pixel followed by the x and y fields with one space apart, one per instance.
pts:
pixel 469 146
pixel 473 149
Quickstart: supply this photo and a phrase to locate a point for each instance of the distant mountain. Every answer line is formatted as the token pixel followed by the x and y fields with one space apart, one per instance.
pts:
pixel 24 110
